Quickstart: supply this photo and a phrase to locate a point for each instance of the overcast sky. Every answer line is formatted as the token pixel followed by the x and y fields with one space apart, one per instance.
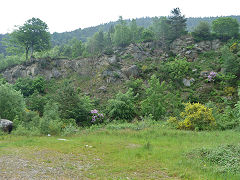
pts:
pixel 68 15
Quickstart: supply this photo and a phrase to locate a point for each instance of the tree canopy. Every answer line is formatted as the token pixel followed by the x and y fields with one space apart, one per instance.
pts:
pixel 202 31
pixel 33 35
pixel 225 28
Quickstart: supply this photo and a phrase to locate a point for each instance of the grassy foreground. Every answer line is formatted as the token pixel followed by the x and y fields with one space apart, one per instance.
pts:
pixel 152 153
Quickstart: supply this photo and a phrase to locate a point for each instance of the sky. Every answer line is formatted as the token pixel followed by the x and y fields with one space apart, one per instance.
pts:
pixel 68 15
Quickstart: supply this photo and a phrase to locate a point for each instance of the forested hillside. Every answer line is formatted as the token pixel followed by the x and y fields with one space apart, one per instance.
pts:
pixel 84 34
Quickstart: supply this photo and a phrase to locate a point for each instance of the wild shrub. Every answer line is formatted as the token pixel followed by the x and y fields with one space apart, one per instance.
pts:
pixel 226 118
pixel 73 105
pixel 136 85
pixel 147 35
pixel 97 117
pixel 69 130
pixel 27 85
pixel 21 130
pixel 9 61
pixel 195 116
pixel 176 70
pixel 36 102
pixel 11 102
pixel 122 106
pixel 50 122
pixel 158 100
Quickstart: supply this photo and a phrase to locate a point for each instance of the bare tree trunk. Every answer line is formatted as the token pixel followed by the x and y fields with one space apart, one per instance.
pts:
pixel 27 49
pixel 31 51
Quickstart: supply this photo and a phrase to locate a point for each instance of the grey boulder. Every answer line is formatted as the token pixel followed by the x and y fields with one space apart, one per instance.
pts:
pixel 6 125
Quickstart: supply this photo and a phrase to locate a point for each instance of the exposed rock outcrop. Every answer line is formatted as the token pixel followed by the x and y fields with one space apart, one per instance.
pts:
pixel 118 66
pixel 186 47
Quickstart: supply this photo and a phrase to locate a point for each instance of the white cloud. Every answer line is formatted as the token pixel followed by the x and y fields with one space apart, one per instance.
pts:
pixel 67 15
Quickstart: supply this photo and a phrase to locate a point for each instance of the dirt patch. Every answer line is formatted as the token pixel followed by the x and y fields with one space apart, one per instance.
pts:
pixel 42 164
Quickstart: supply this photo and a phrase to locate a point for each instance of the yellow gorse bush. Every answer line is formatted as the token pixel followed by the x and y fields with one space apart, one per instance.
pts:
pixel 195 116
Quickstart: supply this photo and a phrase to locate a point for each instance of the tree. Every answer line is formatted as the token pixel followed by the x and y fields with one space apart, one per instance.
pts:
pixel 202 31
pixel 122 34
pixel 177 24
pixel 225 28
pixel 135 31
pixel 77 47
pixel 33 35
pixel 147 35
pixel 231 61
pixel 162 30
pixel 96 43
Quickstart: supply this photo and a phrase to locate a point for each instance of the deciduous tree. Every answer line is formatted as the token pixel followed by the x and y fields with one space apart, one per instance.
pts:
pixel 33 35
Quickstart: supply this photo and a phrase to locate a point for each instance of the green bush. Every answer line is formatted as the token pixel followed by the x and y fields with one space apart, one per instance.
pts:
pixel 50 122
pixel 11 102
pixel 122 107
pixel 157 99
pixel 226 118
pixel 36 102
pixel 136 85
pixel 9 61
pixel 69 130
pixel 27 85
pixel 176 70
pixel 73 105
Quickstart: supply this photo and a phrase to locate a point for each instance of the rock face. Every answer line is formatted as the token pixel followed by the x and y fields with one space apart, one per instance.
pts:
pixel 6 125
pixel 131 71
pixel 57 68
pixel 120 65
pixel 186 47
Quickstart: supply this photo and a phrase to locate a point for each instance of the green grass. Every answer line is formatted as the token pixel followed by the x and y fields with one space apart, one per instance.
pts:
pixel 151 153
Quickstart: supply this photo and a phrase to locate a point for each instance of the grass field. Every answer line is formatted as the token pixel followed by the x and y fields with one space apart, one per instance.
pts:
pixel 151 153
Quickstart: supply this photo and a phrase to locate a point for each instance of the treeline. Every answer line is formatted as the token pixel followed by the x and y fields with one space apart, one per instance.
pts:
pixel 84 34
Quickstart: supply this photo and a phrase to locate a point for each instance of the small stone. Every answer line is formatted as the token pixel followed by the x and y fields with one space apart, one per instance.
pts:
pixel 187 82
pixel 102 89
pixel 188 52
pixel 62 139
pixel 204 73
